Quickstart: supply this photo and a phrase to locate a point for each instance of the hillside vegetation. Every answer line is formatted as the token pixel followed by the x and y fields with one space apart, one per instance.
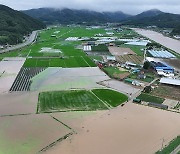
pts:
pixel 14 25
pixel 72 16
pixel 176 30
pixel 162 20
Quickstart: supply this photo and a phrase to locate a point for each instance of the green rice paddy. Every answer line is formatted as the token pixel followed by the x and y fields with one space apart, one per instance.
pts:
pixel 68 62
pixel 79 100
pixel 150 98
pixel 111 97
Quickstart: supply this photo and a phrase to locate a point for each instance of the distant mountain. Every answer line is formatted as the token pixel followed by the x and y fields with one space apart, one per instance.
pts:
pixel 68 16
pixel 154 18
pixel 149 13
pixel 14 25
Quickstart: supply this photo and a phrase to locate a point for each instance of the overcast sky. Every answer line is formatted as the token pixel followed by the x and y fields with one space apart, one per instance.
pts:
pixel 127 6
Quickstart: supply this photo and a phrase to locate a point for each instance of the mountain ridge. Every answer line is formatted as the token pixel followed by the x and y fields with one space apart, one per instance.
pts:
pixel 65 15
pixel 14 25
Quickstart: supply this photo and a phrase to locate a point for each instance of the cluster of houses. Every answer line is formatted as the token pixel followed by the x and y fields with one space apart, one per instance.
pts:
pixel 109 39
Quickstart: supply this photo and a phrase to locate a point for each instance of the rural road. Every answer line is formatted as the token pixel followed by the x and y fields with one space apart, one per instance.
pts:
pixel 30 40
pixel 161 39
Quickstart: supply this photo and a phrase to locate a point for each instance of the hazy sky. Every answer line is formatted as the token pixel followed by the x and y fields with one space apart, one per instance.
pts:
pixel 127 6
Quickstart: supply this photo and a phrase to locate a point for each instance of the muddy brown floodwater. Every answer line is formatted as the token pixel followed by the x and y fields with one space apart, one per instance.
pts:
pixel 132 129
pixel 161 39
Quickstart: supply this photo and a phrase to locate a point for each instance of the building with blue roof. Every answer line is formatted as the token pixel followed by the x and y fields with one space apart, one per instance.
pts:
pixel 163 67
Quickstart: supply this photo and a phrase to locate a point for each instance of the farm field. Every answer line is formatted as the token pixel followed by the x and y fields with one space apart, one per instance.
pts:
pixel 111 97
pixel 45 40
pixel 167 92
pixel 150 98
pixel 79 100
pixel 68 55
pixel 117 51
pixel 136 49
pixel 130 58
pixel 100 48
pixel 75 100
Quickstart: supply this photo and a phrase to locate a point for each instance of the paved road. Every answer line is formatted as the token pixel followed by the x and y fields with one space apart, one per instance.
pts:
pixel 161 39
pixel 29 41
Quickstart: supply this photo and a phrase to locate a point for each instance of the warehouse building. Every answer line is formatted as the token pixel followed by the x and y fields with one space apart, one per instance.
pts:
pixel 162 67
pixel 170 81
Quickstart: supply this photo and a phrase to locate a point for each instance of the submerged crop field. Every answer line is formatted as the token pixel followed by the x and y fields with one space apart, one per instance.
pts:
pixel 79 100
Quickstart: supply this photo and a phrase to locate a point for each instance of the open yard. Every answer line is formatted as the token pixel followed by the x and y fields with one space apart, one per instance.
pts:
pixel 79 100
pixel 149 77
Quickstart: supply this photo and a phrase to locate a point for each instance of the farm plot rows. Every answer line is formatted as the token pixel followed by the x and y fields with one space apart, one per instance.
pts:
pixel 130 58
pixel 79 100
pixel 23 79
pixel 67 62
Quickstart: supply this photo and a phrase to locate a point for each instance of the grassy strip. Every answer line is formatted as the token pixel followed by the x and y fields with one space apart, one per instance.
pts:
pixel 149 98
pixel 171 147
pixel 111 97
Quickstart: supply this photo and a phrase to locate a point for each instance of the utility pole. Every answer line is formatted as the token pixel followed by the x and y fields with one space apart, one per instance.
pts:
pixel 144 55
